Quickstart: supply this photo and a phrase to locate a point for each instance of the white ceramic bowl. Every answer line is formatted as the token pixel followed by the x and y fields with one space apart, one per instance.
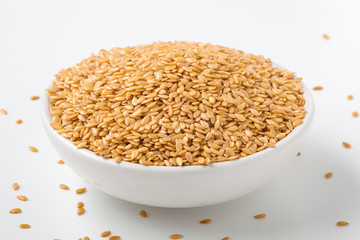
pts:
pixel 179 187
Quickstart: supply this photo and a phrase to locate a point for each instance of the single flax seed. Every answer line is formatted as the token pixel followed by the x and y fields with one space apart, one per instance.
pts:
pixel 114 238
pixel 80 205
pixel 206 221
pixel 33 98
pixel 355 114
pixel 22 198
pixel 346 145
pixel 143 213
pixel 24 226
pixel 86 238
pixel 15 211
pixel 298 154
pixel 318 88
pixel 3 111
pixel 262 215
pixel 176 236
pixel 63 186
pixel 19 121
pixel 342 223
pixel 60 162
pixel 15 186
pixel 325 36
pixel 80 211
pixel 328 175
pixel 105 234
pixel 33 149
pixel 350 97
pixel 225 238
pixel 80 190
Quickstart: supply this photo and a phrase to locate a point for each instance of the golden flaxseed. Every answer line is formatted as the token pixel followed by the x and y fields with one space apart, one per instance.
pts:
pixel 3 111
pixel 22 198
pixel 262 215
pixel 33 98
pixel 325 36
pixel 355 114
pixel 15 186
pixel 342 223
pixel 318 88
pixel 15 211
pixel 171 104
pixel 80 205
pixel 176 236
pixel 114 238
pixel 24 226
pixel 63 186
pixel 298 154
pixel 80 190
pixel 328 175
pixel 350 97
pixel 105 234
pixel 346 145
pixel 225 238
pixel 33 149
pixel 19 121
pixel 80 211
pixel 206 221
pixel 60 162
pixel 143 213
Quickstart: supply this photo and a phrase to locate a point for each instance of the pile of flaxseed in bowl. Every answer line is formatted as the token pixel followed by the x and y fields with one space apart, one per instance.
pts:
pixel 175 104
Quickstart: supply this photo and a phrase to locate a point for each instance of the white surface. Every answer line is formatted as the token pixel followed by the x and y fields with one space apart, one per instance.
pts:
pixel 38 38
pixel 180 187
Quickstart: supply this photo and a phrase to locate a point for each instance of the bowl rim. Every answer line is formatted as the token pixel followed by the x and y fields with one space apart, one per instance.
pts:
pixel 91 156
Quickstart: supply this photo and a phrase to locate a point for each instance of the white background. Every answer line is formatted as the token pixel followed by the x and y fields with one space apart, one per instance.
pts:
pixel 38 38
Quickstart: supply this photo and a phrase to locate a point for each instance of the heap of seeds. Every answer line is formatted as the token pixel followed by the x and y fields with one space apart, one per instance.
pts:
pixel 175 103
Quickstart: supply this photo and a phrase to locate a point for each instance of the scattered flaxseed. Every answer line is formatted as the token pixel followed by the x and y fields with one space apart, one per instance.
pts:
pixel 3 111
pixel 33 98
pixel 225 238
pixel 15 210
pixel 350 97
pixel 80 204
pixel 325 36
pixel 15 186
pixel 355 114
pixel 328 175
pixel 175 104
pixel 346 145
pixel 205 221
pixel 114 238
pixel 263 215
pixel 33 149
pixel 80 211
pixel 60 162
pixel 19 121
pixel 143 213
pixel 342 223
pixel 80 190
pixel 176 236
pixel 24 226
pixel 317 88
pixel 63 186
pixel 22 198
pixel 105 234
pixel 298 154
